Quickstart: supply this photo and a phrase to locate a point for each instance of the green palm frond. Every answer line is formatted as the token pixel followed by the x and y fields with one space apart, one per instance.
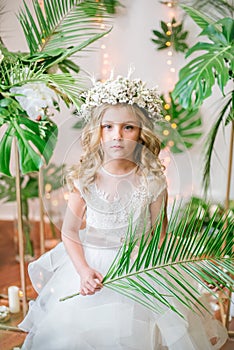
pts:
pixel 200 18
pixel 17 74
pixel 62 29
pixel 67 86
pixel 216 9
pixel 182 129
pixel 109 5
pixel 227 114
pixel 160 275
pixel 198 77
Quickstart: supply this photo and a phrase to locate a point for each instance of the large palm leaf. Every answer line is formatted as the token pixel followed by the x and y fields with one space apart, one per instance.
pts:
pixel 61 30
pixel 225 117
pixel 157 275
pixel 198 77
pixel 216 9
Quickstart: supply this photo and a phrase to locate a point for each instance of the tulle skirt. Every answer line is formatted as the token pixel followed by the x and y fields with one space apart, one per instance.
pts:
pixel 105 320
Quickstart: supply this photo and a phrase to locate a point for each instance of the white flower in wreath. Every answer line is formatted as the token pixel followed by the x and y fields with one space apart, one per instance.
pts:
pixel 34 98
pixel 1 56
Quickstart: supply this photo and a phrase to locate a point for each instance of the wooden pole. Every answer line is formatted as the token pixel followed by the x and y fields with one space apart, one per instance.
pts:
pixel 42 225
pixel 227 199
pixel 229 168
pixel 41 183
pixel 20 230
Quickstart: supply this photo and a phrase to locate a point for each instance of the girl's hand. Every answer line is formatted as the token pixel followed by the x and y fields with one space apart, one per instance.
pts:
pixel 90 281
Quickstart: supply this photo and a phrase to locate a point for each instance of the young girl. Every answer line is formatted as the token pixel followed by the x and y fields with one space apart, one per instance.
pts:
pixel 119 177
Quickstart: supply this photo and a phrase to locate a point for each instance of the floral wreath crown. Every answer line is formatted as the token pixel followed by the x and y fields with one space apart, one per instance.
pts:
pixel 121 90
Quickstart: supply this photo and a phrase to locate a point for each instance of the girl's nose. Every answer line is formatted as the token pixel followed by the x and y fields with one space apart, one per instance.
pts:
pixel 117 135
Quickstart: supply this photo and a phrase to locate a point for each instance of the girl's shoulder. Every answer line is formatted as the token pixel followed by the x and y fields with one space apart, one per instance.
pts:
pixel 156 183
pixel 78 185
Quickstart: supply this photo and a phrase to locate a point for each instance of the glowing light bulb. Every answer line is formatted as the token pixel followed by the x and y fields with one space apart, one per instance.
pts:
pixel 168 32
pixel 169 53
pixel 170 143
pixel 105 55
pixel 66 196
pixel 165 132
pixel 173 125
pixel 172 70
pixel 48 187
pixel 166 106
pixel 168 43
pixel 55 202
pixel 167 117
pixel 103 46
pixel 169 24
pixel 169 62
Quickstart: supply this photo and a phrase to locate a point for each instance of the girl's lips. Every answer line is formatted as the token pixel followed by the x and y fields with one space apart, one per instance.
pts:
pixel 117 146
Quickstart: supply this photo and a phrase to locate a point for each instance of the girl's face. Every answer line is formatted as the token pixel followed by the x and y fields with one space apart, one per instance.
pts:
pixel 120 133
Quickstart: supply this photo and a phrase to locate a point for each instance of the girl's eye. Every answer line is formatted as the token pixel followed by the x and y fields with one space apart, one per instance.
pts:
pixel 106 126
pixel 129 127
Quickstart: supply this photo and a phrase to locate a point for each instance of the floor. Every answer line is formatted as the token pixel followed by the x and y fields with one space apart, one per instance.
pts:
pixel 10 275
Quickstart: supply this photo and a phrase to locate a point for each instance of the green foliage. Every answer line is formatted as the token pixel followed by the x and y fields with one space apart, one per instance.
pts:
pixel 173 34
pixel 58 33
pixel 52 175
pixel 29 190
pixel 183 128
pixel 41 134
pixel 204 210
pixel 226 116
pixel 61 31
pixel 93 8
pixel 198 77
pixel 152 273
pixel 215 9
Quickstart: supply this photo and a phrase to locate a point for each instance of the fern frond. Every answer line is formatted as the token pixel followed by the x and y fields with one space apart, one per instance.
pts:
pixel 62 24
pixel 160 275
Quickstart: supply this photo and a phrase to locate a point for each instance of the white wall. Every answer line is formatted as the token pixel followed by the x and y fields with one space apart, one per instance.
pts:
pixel 130 43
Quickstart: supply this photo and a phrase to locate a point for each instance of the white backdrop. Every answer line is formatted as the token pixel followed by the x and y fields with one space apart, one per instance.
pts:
pixel 130 43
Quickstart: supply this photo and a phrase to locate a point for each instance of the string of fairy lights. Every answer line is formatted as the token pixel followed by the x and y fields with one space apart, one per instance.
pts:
pixel 172 13
pixel 106 63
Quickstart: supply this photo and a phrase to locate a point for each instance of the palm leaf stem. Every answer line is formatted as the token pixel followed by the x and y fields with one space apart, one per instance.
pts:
pixel 148 269
pixel 209 146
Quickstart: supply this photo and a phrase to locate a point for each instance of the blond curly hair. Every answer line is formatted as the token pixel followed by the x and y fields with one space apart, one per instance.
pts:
pixel 145 154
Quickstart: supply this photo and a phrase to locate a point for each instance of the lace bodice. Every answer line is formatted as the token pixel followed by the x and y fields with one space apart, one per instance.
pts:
pixel 113 200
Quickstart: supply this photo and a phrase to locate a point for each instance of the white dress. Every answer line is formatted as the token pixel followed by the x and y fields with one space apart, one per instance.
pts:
pixel 108 320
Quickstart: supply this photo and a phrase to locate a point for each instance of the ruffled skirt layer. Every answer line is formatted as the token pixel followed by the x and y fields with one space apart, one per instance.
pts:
pixel 106 320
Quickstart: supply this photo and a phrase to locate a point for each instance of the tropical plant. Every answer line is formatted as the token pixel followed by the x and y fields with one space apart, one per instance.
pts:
pixel 171 36
pixel 109 5
pixel 29 190
pixel 155 274
pixel 198 77
pixel 29 87
pixel 182 127
pixel 215 9
pixel 205 210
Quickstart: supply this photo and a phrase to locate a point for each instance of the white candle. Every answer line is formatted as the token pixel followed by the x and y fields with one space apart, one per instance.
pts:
pixel 14 303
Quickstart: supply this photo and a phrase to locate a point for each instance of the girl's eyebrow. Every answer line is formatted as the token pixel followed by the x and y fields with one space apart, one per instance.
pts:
pixel 127 122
